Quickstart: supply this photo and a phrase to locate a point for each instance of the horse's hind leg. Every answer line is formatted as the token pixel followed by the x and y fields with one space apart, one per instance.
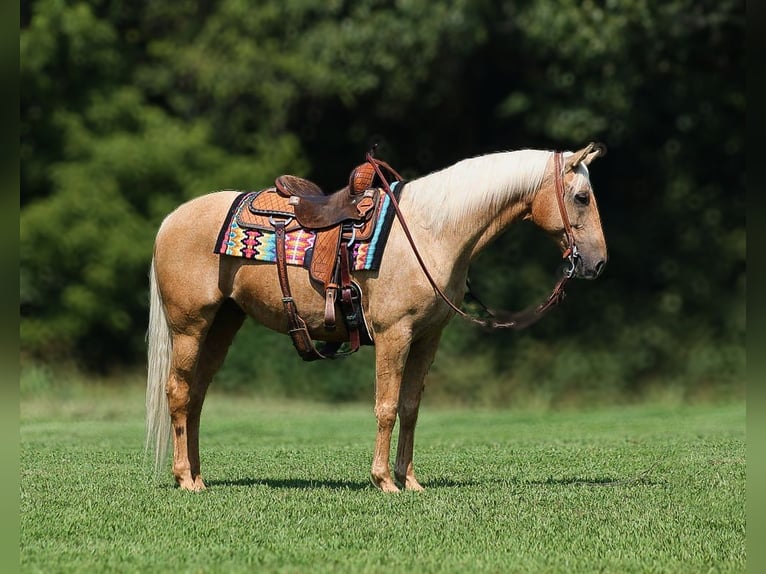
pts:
pixel 227 322
pixel 421 356
pixel 192 365
pixel 186 351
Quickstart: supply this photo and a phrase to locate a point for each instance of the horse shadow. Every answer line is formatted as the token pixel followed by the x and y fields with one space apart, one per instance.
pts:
pixel 437 483
pixel 292 483
pixel 547 482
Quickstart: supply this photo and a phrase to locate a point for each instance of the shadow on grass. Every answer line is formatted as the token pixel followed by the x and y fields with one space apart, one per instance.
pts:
pixel 303 484
pixel 598 481
pixel 563 481
pixel 293 483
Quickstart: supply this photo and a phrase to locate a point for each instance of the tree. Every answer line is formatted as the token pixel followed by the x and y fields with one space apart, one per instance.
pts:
pixel 129 109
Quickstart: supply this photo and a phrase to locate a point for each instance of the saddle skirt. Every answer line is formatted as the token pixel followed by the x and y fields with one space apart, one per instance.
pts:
pixel 248 233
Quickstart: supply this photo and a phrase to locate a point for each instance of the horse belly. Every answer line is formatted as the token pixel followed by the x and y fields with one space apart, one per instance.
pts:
pixel 256 289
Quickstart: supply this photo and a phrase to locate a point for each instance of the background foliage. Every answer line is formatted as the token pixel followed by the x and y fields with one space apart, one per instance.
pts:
pixel 129 108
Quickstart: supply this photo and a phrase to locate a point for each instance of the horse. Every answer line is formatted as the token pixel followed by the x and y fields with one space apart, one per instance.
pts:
pixel 199 299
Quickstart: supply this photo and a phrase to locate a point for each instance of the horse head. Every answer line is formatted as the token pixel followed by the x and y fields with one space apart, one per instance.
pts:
pixel 565 207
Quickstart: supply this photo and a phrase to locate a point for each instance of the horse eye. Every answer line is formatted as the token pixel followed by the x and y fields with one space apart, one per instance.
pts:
pixel 582 198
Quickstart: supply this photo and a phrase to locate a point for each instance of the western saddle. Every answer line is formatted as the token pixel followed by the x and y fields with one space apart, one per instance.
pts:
pixel 337 219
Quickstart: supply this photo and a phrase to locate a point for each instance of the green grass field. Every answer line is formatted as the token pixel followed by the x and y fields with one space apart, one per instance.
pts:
pixel 630 489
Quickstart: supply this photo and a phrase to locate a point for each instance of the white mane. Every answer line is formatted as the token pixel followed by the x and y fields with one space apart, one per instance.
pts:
pixel 485 183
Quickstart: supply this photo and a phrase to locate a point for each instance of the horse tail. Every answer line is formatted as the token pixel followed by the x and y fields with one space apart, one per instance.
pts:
pixel 160 348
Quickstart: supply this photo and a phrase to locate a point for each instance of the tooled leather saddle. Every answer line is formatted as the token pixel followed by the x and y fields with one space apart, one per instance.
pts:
pixel 337 219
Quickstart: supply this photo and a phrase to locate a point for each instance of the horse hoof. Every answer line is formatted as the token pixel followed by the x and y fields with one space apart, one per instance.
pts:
pixel 385 484
pixel 196 485
pixel 413 485
pixel 409 483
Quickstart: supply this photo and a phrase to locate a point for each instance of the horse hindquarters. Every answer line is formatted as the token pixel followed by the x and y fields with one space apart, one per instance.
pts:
pixel 192 324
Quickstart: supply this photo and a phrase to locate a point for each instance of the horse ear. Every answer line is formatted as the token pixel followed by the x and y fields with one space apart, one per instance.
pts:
pixel 586 155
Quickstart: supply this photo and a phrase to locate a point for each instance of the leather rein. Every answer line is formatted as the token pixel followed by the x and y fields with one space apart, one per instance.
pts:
pixel 517 320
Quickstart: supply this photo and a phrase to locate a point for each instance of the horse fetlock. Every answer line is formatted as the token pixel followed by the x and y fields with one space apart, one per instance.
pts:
pixel 384 483
pixel 183 475
pixel 406 478
pixel 380 475
pixel 187 482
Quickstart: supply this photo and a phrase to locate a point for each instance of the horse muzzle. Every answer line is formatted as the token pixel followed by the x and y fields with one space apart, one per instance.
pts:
pixel 578 267
pixel 585 270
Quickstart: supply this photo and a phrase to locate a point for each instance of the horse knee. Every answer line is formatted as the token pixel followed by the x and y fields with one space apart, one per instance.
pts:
pixel 386 415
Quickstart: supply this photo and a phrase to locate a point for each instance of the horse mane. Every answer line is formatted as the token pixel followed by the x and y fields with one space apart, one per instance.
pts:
pixel 488 182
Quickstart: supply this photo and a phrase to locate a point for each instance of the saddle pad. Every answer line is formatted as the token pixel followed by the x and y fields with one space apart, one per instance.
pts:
pixel 260 244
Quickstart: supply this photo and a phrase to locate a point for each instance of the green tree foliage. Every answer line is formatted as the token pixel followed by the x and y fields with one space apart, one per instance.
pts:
pixel 129 108
pixel 102 165
pixel 663 85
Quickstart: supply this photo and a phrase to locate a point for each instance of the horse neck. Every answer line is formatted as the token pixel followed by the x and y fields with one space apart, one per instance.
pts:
pixel 469 204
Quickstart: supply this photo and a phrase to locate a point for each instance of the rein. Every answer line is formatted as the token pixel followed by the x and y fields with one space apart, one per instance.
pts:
pixel 518 320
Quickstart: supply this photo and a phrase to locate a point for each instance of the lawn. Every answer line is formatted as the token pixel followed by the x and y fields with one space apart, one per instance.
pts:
pixel 630 489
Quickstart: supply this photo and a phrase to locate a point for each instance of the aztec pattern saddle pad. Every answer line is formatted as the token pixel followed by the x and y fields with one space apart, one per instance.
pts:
pixel 258 244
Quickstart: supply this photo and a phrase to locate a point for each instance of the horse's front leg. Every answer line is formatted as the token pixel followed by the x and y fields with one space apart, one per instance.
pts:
pixel 391 352
pixel 419 360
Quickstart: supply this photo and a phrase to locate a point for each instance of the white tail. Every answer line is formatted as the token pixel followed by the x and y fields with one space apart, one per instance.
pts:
pixel 160 348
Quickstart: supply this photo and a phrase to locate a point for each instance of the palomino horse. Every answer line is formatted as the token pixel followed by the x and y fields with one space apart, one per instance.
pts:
pixel 200 299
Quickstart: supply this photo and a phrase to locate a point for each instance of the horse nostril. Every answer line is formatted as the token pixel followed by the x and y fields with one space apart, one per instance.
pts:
pixel 600 267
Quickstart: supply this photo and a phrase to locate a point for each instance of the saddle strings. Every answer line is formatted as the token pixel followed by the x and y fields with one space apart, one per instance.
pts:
pixel 517 320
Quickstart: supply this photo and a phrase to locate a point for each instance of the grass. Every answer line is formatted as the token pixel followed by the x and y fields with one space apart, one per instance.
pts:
pixel 629 489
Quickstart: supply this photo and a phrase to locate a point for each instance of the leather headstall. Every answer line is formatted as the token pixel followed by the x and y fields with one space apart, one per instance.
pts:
pixel 510 320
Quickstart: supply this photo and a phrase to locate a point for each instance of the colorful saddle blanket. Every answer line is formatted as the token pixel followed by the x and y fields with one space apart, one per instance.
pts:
pixel 260 245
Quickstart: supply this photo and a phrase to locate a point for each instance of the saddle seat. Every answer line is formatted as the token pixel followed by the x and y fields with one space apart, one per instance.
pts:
pixel 360 180
pixel 315 209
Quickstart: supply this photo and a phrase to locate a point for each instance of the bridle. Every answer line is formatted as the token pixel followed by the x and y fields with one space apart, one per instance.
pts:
pixel 571 253
pixel 517 320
